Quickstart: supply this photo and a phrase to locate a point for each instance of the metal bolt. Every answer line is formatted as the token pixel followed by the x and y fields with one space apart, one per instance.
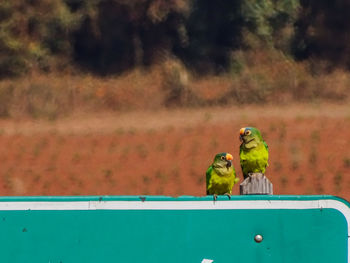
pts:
pixel 258 238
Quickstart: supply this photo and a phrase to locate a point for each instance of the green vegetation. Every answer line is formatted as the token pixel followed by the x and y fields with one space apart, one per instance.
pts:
pixel 107 36
pixel 33 33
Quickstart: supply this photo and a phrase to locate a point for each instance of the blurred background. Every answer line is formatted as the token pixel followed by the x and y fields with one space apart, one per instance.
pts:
pixel 131 97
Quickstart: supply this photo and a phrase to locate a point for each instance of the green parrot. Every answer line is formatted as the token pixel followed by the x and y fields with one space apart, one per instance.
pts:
pixel 221 176
pixel 253 151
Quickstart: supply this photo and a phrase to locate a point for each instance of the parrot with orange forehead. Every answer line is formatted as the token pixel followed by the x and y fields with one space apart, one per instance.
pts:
pixel 253 152
pixel 221 176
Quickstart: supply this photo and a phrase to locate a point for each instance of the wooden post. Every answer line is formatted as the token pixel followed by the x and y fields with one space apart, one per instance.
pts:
pixel 256 184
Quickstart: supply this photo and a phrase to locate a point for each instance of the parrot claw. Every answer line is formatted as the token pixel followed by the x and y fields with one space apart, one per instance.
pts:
pixel 228 195
pixel 215 196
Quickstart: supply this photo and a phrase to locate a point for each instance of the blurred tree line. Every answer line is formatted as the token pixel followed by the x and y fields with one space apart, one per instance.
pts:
pixel 111 36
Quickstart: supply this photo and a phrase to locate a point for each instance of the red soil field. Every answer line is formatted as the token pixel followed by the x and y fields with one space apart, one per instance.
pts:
pixel 168 152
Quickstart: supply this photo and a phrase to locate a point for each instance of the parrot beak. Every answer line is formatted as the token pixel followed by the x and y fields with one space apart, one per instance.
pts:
pixel 241 133
pixel 229 159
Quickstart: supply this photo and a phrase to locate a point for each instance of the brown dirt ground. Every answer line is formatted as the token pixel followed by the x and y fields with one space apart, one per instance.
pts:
pixel 168 152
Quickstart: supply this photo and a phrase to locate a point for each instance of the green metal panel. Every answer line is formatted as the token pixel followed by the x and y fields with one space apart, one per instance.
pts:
pixel 103 234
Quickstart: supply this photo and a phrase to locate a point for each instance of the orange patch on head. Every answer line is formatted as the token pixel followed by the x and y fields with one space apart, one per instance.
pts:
pixel 241 131
pixel 229 156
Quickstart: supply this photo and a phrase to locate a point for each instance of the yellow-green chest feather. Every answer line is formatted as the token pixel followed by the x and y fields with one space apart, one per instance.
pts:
pixel 254 160
pixel 220 180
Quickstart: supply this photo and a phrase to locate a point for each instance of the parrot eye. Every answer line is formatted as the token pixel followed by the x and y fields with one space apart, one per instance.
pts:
pixel 222 158
pixel 248 132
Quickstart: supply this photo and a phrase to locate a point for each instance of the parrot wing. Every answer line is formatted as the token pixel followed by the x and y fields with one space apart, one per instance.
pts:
pixel 240 152
pixel 266 146
pixel 208 176
pixel 267 154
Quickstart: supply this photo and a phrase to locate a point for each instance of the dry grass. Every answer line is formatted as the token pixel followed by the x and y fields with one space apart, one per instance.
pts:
pixel 263 78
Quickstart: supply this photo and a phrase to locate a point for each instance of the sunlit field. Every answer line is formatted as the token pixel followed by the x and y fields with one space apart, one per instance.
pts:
pixel 168 152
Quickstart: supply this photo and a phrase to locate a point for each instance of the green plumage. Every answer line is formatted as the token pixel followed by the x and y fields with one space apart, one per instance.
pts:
pixel 253 152
pixel 221 175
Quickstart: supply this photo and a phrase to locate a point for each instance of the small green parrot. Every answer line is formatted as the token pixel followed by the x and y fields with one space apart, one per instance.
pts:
pixel 253 151
pixel 221 176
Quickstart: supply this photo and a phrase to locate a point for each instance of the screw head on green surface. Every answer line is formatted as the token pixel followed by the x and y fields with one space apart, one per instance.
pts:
pixel 258 238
